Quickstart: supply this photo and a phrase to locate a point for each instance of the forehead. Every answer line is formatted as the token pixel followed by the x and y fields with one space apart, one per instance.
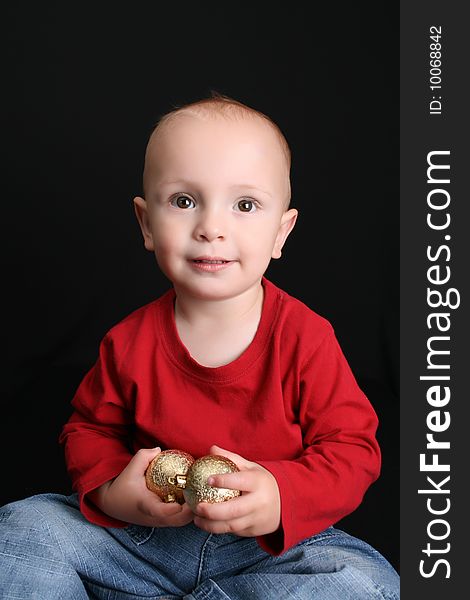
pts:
pixel 215 149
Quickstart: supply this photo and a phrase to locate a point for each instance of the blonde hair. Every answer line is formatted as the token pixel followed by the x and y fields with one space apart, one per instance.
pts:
pixel 220 105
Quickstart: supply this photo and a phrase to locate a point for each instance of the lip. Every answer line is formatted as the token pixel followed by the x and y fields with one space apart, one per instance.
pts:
pixel 206 257
pixel 210 267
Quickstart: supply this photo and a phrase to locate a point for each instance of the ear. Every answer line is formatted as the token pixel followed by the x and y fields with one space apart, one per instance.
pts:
pixel 287 225
pixel 141 212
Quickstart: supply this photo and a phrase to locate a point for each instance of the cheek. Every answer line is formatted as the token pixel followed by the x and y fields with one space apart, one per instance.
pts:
pixel 166 235
pixel 259 239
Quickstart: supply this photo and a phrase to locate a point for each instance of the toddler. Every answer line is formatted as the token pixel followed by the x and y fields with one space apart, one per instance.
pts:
pixel 226 363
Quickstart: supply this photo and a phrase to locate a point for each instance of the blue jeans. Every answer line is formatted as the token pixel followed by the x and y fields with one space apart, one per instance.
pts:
pixel 50 551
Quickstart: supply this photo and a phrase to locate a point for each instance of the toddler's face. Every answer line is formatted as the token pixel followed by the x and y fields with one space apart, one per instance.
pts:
pixel 215 188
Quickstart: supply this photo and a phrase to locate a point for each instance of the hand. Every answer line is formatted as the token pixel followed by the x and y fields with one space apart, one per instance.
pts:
pixel 128 498
pixel 256 512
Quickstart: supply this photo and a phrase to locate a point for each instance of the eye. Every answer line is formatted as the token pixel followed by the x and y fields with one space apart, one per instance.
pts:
pixel 246 205
pixel 182 202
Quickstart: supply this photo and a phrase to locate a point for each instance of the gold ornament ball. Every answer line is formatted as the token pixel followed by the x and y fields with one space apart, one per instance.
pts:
pixel 162 472
pixel 198 490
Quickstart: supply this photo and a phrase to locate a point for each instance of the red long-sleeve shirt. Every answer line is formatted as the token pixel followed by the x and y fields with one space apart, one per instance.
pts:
pixel 289 403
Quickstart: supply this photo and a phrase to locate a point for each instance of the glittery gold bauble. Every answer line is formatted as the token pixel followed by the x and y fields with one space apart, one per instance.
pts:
pixel 162 474
pixel 198 490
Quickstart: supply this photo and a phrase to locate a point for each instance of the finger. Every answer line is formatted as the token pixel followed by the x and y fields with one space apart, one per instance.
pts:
pixel 143 457
pixel 236 458
pixel 234 526
pixel 172 509
pixel 226 511
pixel 156 508
pixel 182 518
pixel 244 481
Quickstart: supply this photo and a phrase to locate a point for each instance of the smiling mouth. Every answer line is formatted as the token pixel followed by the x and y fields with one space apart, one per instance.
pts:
pixel 211 262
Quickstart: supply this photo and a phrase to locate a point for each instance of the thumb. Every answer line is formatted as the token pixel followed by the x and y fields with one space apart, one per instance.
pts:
pixel 144 457
pixel 241 462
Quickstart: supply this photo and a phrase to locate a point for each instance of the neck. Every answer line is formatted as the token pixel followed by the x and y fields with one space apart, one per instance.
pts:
pixel 222 312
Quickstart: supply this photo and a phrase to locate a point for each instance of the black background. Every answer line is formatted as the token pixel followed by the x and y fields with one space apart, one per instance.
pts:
pixel 84 86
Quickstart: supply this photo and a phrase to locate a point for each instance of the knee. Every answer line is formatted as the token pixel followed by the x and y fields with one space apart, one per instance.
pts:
pixel 30 510
pixel 368 565
pixel 31 520
pixel 33 535
pixel 354 563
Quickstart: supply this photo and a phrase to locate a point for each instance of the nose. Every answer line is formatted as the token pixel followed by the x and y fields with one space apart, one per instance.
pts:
pixel 210 225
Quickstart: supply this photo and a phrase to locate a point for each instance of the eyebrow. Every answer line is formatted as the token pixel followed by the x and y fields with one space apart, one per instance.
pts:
pixel 245 186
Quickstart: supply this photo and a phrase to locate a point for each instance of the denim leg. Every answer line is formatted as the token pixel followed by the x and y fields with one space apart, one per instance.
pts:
pixel 49 550
pixel 329 566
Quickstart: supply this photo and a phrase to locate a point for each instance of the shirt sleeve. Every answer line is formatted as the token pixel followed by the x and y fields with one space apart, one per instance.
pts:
pixel 341 456
pixel 96 438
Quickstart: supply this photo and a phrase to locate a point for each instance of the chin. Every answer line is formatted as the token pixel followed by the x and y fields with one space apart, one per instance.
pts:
pixel 207 291
pixel 205 288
